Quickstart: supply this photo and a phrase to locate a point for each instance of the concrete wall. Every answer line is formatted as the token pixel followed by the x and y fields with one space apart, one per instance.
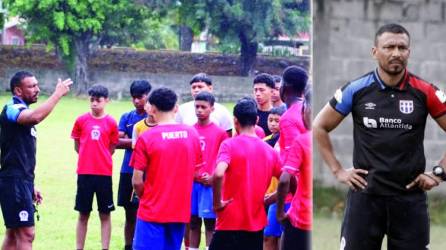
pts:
pixel 117 68
pixel 343 37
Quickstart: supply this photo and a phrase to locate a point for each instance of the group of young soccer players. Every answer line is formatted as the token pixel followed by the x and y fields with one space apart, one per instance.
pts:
pixel 195 162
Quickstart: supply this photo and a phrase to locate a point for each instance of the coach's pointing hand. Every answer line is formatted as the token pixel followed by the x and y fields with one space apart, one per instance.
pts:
pixel 63 87
pixel 352 178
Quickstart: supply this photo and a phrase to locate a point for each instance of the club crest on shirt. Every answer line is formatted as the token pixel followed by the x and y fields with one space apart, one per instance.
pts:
pixel 202 143
pixel 95 133
pixel 406 106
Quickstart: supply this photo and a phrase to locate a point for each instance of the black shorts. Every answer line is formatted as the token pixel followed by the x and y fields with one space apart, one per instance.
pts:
pixel 16 200
pixel 295 238
pixel 403 218
pixel 87 186
pixel 125 192
pixel 237 240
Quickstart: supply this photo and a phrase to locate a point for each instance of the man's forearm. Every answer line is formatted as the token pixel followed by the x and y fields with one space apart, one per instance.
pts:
pixel 216 188
pixel 326 149
pixel 282 190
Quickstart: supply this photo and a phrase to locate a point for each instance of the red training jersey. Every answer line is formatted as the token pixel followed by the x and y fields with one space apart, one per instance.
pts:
pixel 251 165
pixel 170 155
pixel 95 139
pixel 299 164
pixel 211 136
pixel 291 125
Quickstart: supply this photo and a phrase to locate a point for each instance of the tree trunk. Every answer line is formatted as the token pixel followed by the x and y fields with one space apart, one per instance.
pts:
pixel 82 53
pixel 186 37
pixel 248 54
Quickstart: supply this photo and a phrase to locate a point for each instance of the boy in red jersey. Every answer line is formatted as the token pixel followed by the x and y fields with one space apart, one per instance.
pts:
pixel 294 83
pixel 298 220
pixel 95 136
pixel 239 200
pixel 169 156
pixel 211 136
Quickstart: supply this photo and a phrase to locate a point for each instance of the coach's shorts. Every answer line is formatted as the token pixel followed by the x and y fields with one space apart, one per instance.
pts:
pixel 237 240
pixel 403 218
pixel 125 192
pixel 158 236
pixel 16 200
pixel 295 238
pixel 201 204
pixel 274 228
pixel 87 186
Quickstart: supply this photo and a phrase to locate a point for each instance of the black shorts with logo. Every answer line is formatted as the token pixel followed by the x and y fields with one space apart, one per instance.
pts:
pixel 403 219
pixel 126 196
pixel 87 186
pixel 16 200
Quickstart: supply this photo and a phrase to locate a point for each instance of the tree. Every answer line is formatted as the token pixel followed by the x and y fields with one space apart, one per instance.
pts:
pixel 75 28
pixel 251 21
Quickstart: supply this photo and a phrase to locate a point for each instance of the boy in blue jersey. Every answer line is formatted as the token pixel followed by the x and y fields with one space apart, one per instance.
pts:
pixel 139 90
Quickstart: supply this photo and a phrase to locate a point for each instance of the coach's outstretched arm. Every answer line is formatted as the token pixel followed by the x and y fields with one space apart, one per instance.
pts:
pixel 327 120
pixel 32 117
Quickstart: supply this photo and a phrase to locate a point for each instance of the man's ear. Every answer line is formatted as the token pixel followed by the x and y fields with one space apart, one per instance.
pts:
pixel 175 109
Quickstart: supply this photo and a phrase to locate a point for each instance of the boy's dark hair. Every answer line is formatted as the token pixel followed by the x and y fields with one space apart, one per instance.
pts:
pixel 264 78
pixel 205 96
pixel 280 110
pixel 139 88
pixel 17 78
pixel 277 78
pixel 98 90
pixel 391 28
pixel 246 111
pixel 201 77
pixel 163 99
pixel 296 77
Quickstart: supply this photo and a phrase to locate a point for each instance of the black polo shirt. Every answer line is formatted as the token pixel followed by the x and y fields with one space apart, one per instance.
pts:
pixel 17 143
pixel 389 124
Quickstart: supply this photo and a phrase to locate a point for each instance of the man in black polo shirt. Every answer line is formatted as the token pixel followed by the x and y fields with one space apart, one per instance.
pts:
pixel 18 156
pixel 389 108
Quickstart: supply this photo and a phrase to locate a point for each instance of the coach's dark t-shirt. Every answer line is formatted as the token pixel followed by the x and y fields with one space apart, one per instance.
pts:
pixel 17 143
pixel 389 124
pixel 263 121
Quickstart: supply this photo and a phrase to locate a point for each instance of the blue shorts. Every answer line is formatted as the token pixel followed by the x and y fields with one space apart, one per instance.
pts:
pixel 274 228
pixel 158 236
pixel 201 204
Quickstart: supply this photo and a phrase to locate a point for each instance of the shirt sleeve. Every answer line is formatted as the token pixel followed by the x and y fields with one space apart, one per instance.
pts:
pixel 114 133
pixel 135 135
pixel 76 132
pixel 123 123
pixel 140 158
pixel 13 111
pixel 294 159
pixel 436 101
pixel 342 99
pixel 277 167
pixel 226 119
pixel 224 153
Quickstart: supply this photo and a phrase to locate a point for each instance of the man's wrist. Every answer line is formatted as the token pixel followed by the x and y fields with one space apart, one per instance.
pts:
pixel 439 172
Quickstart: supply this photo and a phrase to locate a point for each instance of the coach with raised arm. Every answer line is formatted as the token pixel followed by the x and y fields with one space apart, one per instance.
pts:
pixel 18 156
